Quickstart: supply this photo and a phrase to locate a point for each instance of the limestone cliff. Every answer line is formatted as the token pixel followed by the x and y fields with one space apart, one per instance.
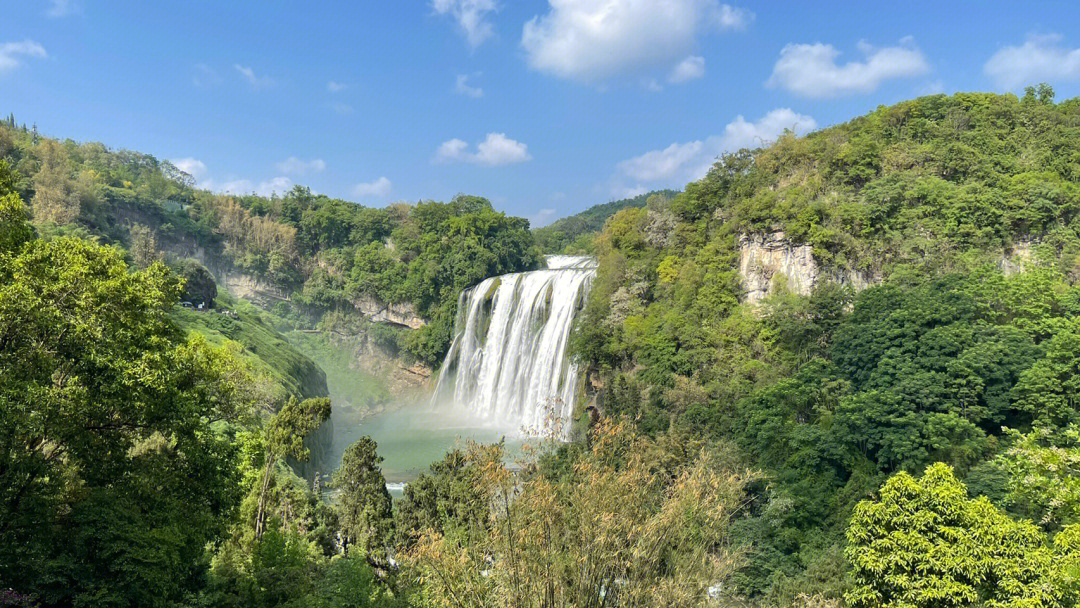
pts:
pixel 765 258
pixel 403 314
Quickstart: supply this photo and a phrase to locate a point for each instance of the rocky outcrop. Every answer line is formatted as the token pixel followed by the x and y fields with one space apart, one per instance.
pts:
pixel 400 378
pixel 767 259
pixel 250 288
pixel 403 315
pixel 1018 258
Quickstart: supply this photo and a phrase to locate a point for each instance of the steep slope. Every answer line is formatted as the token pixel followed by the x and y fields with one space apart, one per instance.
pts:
pixel 873 297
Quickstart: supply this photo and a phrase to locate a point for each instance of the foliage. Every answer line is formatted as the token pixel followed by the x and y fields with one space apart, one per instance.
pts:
pixel 573 234
pixel 1043 472
pixel 327 253
pixel 925 543
pixel 113 477
pixel 364 503
pixel 635 523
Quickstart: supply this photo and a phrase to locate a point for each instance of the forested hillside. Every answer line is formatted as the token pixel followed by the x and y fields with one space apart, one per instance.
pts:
pixel 575 233
pixel 941 327
pixel 314 253
pixel 841 369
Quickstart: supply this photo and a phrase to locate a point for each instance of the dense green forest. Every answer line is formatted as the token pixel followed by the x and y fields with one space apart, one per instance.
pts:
pixel 954 354
pixel 904 431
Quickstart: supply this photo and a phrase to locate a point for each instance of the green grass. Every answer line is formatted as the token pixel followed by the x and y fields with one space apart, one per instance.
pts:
pixel 293 372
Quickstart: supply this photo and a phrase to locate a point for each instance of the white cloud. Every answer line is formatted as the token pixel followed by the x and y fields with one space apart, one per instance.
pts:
pixel 593 40
pixel 452 150
pixel 932 87
pixel 296 166
pixel 1039 59
pixel 682 162
pixel 688 69
pixel 248 74
pixel 279 184
pixel 497 149
pixel 62 8
pixel 471 17
pixel 380 187
pixel 341 108
pixel 335 87
pixel 463 88
pixel 237 186
pixel 810 70
pixel 192 166
pixel 10 53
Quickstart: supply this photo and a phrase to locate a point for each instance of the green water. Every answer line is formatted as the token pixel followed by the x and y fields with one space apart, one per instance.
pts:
pixel 410 438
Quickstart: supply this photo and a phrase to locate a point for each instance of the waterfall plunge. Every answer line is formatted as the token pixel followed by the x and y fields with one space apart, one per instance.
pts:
pixel 508 364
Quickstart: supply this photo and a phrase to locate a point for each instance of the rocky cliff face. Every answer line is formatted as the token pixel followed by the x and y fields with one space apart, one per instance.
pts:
pixel 765 259
pixel 249 288
pixel 397 314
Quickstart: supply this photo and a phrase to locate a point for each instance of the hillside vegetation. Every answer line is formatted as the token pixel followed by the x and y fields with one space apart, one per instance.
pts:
pixel 575 233
pixel 902 431
pixel 831 393
pixel 322 254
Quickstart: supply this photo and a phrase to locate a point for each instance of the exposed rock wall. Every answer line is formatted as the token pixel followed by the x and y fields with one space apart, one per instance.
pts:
pixel 400 378
pixel 763 258
pixel 251 288
pixel 397 314
pixel 1018 258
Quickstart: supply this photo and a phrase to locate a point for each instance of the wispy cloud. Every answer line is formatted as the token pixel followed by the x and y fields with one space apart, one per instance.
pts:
pixel 248 74
pixel 335 87
pixel 810 70
pixel 496 150
pixel 1040 58
pixel 296 166
pixel 541 218
pixel 378 188
pixel 690 68
pixel 192 166
pixel 62 8
pixel 471 17
pixel 682 162
pixel 12 53
pixel 205 76
pixel 463 88
pixel 341 108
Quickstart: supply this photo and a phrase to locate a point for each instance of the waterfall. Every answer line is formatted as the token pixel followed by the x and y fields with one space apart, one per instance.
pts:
pixel 508 364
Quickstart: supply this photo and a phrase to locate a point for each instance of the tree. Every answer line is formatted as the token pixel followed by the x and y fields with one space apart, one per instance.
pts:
pixel 925 543
pixel 55 199
pixel 199 284
pixel 144 250
pixel 633 522
pixel 364 508
pixel 1043 472
pixel 448 499
pixel 284 437
pixel 112 479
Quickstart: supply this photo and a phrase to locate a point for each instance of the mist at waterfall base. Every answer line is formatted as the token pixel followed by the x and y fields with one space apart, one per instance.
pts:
pixel 507 374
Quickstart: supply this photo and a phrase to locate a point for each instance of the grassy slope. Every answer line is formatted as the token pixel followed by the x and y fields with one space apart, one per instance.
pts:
pixel 292 372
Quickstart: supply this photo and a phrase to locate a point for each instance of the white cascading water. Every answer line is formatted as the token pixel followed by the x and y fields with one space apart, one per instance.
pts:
pixel 508 365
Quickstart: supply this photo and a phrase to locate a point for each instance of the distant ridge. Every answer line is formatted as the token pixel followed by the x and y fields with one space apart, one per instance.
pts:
pixel 572 234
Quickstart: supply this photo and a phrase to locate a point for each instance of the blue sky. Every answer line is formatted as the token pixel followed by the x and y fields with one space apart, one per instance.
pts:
pixel 544 107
